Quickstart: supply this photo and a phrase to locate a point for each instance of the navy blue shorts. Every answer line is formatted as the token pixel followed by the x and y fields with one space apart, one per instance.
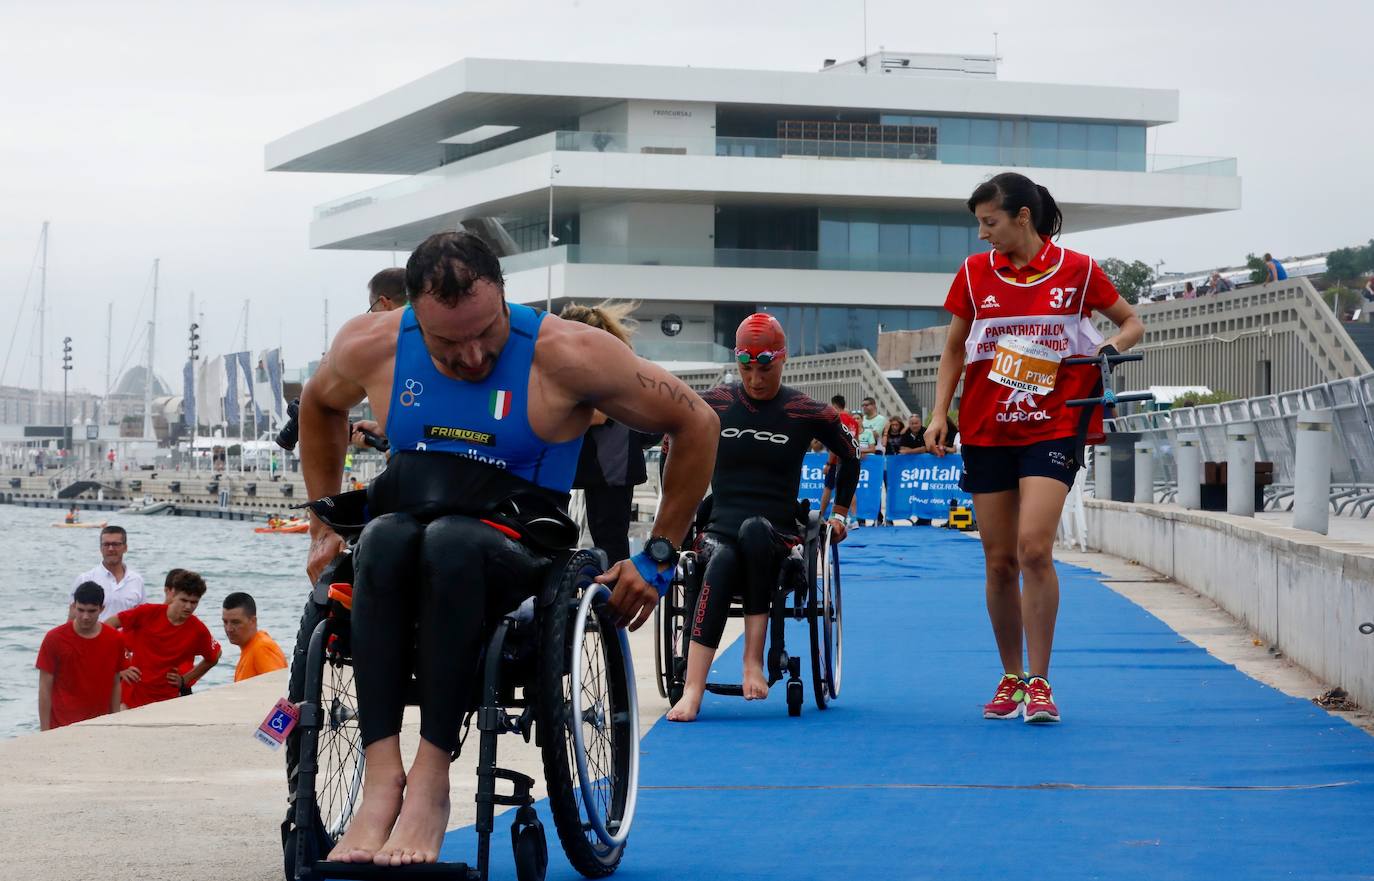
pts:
pixel 829 477
pixel 998 469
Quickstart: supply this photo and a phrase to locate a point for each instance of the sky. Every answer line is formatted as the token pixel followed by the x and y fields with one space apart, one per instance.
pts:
pixel 137 129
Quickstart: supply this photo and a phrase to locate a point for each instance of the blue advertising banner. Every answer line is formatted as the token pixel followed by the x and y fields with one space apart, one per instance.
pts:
pixel 812 477
pixel 868 498
pixel 920 485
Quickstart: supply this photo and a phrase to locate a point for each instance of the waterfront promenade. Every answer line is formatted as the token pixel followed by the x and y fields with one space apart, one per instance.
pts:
pixel 1172 761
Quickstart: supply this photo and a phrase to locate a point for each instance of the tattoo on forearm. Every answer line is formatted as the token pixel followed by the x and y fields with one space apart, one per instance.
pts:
pixel 676 395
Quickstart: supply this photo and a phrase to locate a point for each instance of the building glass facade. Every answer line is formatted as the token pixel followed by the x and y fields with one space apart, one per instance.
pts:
pixel 1035 143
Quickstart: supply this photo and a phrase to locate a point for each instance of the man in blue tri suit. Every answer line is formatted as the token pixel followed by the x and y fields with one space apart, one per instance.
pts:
pixel 482 400
pixel 766 429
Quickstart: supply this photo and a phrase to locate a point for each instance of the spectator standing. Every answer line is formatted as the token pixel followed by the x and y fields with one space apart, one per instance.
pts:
pixel 892 438
pixel 163 636
pixel 846 418
pixel 611 462
pixel 110 457
pixel 872 423
pixel 123 586
pixel 913 440
pixel 79 663
pixel 258 652
pixel 1274 268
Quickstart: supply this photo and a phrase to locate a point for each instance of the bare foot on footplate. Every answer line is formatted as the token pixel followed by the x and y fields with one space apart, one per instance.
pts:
pixel 372 822
pixel 755 683
pixel 419 830
pixel 686 709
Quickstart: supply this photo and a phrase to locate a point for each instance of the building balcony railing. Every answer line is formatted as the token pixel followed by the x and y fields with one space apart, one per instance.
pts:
pixel 731 258
pixel 946 153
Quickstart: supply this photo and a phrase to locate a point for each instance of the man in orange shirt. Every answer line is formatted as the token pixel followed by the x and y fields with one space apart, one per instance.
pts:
pixel 259 652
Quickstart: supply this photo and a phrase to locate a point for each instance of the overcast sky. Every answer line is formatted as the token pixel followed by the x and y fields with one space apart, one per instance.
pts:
pixel 138 130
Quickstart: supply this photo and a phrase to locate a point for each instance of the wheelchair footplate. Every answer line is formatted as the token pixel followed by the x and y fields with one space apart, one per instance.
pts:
pixel 368 871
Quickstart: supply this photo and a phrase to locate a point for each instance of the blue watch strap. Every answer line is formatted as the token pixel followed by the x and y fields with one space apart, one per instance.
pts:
pixel 648 570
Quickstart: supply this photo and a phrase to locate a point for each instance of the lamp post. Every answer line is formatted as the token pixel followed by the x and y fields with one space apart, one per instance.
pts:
pixel 192 416
pixel 553 240
pixel 66 369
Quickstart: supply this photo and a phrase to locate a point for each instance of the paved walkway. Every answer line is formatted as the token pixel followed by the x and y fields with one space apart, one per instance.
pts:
pixel 1169 764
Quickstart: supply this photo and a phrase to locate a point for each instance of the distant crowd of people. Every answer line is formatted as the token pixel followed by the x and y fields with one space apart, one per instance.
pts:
pixel 116 651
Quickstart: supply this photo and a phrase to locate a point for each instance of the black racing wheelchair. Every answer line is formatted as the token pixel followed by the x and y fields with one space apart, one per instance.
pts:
pixel 557 670
pixel 808 590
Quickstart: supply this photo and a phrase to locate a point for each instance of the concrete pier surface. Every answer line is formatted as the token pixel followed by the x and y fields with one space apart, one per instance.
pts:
pixel 1188 750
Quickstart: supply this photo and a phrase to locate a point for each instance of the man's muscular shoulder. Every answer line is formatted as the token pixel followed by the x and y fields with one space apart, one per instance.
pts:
pixel 363 342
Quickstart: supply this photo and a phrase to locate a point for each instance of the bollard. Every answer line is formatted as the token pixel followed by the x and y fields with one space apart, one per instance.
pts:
pixel 1102 472
pixel 1312 471
pixel 1144 473
pixel 1240 469
pixel 1188 458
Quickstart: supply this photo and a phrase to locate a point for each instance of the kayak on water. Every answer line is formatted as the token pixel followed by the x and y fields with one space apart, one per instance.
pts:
pixel 289 526
pixel 100 525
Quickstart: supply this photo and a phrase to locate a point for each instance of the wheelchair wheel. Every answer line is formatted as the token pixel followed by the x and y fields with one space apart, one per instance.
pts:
pixel 670 631
pixel 832 614
pixel 589 721
pixel 329 771
pixel 815 548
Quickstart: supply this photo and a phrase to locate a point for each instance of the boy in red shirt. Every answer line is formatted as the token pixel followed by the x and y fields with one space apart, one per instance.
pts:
pixel 79 663
pixel 162 637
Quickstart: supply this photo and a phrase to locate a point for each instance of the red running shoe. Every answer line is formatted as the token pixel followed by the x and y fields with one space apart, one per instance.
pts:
pixel 1040 705
pixel 1007 702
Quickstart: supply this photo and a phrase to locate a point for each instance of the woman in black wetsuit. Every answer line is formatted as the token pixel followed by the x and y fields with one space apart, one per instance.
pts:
pixel 765 430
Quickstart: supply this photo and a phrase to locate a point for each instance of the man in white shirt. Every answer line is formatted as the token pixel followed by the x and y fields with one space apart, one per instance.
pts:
pixel 123 586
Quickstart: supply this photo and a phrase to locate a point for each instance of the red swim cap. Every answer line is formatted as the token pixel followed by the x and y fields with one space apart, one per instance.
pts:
pixel 760 332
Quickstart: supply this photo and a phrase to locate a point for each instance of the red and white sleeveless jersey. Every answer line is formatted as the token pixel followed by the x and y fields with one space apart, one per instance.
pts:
pixel 1049 301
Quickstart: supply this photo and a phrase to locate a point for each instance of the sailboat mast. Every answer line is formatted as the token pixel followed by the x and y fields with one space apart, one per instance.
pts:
pixel 109 344
pixel 40 417
pixel 148 431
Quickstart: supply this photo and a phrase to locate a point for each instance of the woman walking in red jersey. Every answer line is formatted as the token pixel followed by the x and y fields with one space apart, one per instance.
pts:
pixel 1017 311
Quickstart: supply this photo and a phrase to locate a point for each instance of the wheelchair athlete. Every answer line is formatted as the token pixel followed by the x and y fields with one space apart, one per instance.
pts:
pixel 766 429
pixel 485 404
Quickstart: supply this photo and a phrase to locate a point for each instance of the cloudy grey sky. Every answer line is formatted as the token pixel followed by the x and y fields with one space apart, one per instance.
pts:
pixel 138 128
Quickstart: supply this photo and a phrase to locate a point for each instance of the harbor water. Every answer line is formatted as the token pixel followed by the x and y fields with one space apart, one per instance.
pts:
pixel 41 564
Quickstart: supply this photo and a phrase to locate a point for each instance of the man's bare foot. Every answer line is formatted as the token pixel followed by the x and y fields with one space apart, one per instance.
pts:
pixel 419 830
pixel 372 821
pixel 755 683
pixel 687 708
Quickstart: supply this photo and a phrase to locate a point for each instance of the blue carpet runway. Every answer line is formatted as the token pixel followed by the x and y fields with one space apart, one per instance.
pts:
pixel 1170 764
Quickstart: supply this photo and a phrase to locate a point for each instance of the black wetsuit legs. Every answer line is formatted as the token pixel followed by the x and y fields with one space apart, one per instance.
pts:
pixel 386 571
pixel 747 566
pixel 424 599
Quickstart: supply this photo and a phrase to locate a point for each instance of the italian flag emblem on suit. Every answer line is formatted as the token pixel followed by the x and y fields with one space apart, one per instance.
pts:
pixel 500 404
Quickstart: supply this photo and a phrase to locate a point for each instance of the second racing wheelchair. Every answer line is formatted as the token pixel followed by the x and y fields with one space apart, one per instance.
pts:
pixel 808 590
pixel 556 670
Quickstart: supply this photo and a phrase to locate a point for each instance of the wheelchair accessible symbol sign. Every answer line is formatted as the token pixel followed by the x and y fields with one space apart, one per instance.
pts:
pixel 279 722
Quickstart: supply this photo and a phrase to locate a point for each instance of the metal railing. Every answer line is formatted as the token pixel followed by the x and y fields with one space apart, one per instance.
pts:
pixel 1350 400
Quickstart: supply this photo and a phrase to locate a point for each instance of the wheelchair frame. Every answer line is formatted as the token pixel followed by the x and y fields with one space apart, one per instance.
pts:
pixel 811 579
pixel 592 816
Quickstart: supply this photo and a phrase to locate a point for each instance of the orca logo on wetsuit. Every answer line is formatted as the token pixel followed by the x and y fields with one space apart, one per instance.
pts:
pixel 772 437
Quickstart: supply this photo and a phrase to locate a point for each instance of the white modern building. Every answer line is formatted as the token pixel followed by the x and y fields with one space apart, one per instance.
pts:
pixel 834 198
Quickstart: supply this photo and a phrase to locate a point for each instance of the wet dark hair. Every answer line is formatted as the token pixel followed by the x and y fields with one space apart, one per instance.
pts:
pixel 1013 192
pixel 240 600
pixel 389 283
pixel 446 265
pixel 88 593
pixel 187 582
pixel 172 576
pixel 838 401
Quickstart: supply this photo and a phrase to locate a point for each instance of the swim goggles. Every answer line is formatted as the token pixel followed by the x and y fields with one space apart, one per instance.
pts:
pixel 763 359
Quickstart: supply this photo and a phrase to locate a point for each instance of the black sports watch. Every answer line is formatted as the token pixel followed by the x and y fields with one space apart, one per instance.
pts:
pixel 660 550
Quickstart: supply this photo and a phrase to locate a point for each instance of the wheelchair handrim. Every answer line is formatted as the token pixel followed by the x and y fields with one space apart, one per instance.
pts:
pixel 594 818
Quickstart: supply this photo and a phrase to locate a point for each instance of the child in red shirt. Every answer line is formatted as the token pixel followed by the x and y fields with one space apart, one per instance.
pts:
pixel 162 637
pixel 79 663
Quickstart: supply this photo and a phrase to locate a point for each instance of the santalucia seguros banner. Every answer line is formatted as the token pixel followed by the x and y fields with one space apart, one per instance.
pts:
pixel 867 497
pixel 921 485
